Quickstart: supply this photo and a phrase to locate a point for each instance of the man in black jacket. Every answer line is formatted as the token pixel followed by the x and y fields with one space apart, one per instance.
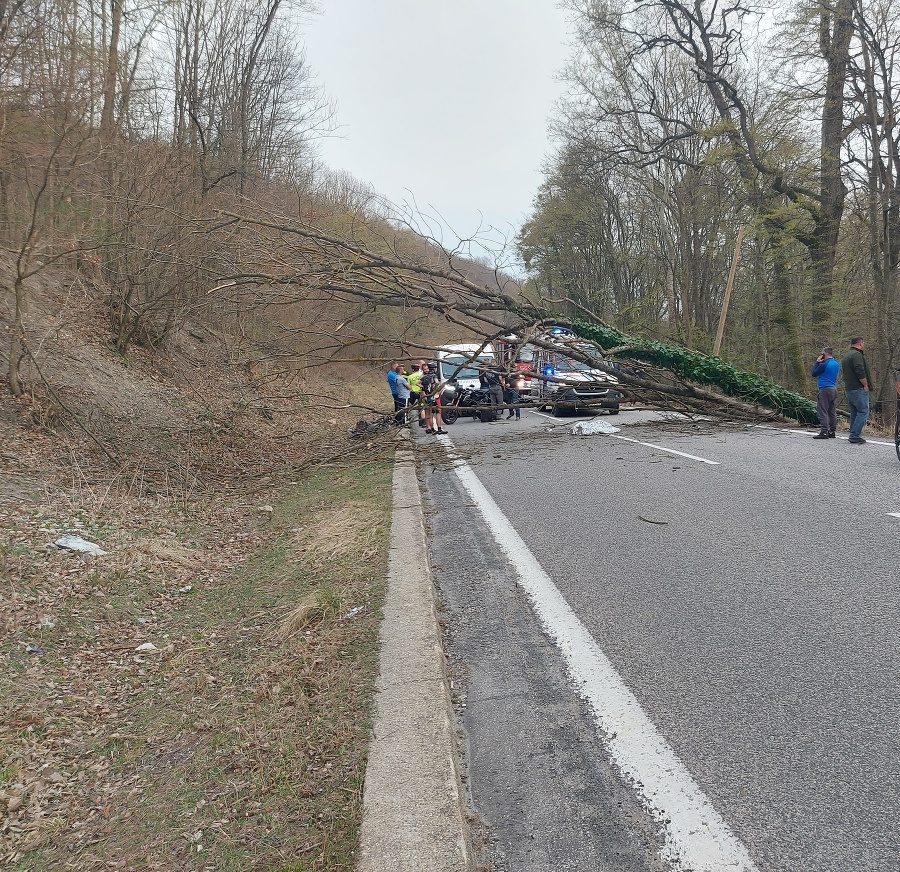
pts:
pixel 491 380
pixel 858 385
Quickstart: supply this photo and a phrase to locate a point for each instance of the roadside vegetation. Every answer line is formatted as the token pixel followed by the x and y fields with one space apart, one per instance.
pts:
pixel 198 697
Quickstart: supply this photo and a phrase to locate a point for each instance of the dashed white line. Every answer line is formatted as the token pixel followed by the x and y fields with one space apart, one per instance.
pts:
pixel 663 448
pixel 647 444
pixel 696 836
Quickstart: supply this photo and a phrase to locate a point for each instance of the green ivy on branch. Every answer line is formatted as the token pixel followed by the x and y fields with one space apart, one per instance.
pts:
pixel 702 369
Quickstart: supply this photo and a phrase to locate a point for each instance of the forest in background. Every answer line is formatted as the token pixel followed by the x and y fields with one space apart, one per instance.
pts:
pixel 164 156
pixel 151 155
pixel 687 123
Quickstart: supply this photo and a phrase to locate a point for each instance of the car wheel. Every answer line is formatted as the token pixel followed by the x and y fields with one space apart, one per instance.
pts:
pixel 614 411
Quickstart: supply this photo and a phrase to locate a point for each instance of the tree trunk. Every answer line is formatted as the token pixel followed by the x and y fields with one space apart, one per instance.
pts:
pixel 15 343
pixel 835 31
pixel 787 316
pixel 108 116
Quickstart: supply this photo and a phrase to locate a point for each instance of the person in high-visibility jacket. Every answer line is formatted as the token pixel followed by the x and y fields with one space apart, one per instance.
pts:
pixel 415 392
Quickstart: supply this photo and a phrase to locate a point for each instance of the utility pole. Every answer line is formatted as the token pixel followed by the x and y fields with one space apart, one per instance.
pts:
pixel 734 262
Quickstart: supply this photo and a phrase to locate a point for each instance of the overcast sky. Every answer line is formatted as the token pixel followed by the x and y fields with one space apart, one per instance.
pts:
pixel 442 104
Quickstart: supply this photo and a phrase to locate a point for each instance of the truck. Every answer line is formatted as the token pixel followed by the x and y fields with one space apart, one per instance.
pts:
pixel 461 361
pixel 548 377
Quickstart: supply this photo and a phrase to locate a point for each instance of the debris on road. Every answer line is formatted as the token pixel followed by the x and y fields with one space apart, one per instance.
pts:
pixel 590 428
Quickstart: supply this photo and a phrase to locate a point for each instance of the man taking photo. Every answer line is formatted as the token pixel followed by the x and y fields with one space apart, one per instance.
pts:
pixel 825 371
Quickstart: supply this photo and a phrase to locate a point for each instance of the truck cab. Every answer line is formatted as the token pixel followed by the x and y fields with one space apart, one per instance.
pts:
pixel 461 361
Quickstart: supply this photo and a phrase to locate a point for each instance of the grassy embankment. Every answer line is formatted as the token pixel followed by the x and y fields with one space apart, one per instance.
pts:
pixel 238 741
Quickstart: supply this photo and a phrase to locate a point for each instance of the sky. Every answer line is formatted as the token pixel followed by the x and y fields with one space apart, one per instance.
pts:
pixel 442 107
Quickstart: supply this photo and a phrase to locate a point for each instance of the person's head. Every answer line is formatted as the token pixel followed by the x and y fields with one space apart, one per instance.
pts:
pixel 424 366
pixel 827 351
pixel 416 367
pixel 858 342
pixel 394 366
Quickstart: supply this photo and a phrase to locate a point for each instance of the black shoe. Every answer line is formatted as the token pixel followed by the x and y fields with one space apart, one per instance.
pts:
pixel 832 435
pixel 441 432
pixel 822 435
pixel 510 416
pixel 429 431
pixel 856 440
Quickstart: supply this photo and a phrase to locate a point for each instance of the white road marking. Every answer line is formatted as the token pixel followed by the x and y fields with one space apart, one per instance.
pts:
pixel 839 436
pixel 696 836
pixel 663 448
pixel 638 442
pixel 894 514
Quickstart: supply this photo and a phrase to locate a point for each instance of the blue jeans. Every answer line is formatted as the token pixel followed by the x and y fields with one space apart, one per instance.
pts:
pixel 858 401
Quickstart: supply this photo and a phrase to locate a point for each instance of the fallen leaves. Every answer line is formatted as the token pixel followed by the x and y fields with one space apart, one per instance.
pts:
pixel 151 695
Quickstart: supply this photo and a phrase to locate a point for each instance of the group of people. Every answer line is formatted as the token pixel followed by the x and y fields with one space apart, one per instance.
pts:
pixel 417 394
pixel 416 390
pixel 857 385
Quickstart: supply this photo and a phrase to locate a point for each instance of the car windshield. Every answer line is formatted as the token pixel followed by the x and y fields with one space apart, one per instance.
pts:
pixel 450 363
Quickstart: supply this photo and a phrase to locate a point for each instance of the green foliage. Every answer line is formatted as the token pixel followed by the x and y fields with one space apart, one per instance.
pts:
pixel 702 369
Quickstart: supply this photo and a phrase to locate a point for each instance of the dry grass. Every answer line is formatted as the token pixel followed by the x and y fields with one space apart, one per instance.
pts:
pixel 239 743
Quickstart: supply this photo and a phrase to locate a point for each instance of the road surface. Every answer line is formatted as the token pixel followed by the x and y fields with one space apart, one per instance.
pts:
pixel 720 687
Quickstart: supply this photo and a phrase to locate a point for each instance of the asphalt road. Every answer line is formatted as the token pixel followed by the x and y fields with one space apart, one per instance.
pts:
pixel 750 606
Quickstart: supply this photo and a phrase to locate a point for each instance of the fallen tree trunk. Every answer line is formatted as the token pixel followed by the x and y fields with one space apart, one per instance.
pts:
pixel 292 261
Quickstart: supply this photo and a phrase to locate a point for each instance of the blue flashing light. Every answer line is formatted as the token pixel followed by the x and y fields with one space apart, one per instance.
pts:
pixel 549 370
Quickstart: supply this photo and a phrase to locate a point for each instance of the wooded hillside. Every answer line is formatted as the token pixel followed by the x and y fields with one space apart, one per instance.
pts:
pixel 689 123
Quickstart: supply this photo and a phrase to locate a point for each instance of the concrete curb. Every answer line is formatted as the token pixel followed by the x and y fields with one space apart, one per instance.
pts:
pixel 413 811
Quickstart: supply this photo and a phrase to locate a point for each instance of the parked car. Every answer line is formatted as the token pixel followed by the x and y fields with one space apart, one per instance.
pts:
pixel 577 386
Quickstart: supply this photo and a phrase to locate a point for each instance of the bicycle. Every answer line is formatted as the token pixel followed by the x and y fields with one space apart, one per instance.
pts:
pixel 370 428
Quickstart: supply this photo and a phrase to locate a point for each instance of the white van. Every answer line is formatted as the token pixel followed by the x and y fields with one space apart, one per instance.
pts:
pixel 461 360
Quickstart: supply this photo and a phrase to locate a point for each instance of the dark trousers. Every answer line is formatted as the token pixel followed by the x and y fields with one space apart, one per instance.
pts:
pixel 827 409
pixel 511 398
pixel 400 409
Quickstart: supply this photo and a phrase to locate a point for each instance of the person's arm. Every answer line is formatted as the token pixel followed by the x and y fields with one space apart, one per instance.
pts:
pixel 859 369
pixel 818 366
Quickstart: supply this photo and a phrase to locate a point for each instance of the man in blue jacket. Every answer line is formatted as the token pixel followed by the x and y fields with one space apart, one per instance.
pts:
pixel 825 369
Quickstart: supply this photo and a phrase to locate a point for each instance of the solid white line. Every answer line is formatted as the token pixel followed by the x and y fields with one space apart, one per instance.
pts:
pixel 869 441
pixel 696 836
pixel 894 514
pixel 663 448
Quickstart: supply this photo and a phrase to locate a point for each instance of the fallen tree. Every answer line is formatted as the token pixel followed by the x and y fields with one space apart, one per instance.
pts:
pixel 294 263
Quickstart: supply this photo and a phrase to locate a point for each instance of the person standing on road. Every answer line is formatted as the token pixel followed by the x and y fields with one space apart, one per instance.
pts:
pixel 403 392
pixel 415 392
pixel 491 380
pixel 432 402
pixel 511 397
pixel 825 370
pixel 392 384
pixel 858 385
